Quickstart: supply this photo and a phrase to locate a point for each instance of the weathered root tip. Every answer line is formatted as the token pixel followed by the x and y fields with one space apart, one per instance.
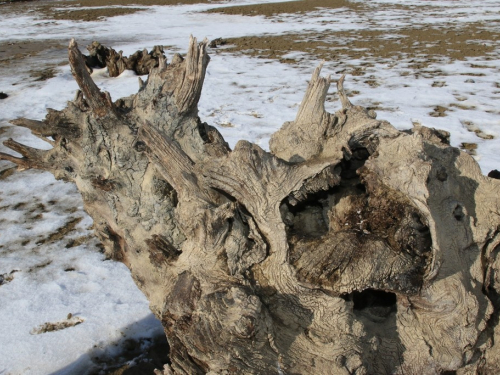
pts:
pixel 72 44
pixel 38 128
pixel 21 163
pixel 317 71
pixel 32 157
pixel 162 63
pixel 312 108
pixel 188 93
pixel 192 41
pixel 346 104
pixel 96 99
pixel 24 150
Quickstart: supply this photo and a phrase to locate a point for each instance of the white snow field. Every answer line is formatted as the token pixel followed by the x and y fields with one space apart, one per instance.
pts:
pixel 50 263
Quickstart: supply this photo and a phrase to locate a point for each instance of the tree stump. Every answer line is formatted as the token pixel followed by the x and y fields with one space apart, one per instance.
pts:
pixel 349 248
pixel 141 62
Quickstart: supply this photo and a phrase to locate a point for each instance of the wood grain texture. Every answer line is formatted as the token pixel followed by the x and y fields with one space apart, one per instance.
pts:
pixel 349 248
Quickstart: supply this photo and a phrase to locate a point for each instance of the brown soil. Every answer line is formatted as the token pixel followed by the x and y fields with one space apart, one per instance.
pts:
pixel 101 3
pixel 88 14
pixel 17 50
pixel 427 45
pixel 143 361
pixel 272 9
pixel 107 8
pixel 61 232
pixel 469 148
pixel 43 75
pixel 424 45
pixel 21 49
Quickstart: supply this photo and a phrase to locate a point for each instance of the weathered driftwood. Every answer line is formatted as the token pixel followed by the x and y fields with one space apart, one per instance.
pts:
pixel 141 62
pixel 350 248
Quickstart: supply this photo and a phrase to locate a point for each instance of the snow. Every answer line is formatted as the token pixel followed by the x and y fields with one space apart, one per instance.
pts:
pixel 46 278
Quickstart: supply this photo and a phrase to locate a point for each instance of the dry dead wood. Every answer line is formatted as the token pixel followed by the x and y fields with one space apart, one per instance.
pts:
pixel 141 62
pixel 349 248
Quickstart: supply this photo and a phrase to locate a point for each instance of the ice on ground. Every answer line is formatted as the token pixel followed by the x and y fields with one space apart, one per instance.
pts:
pixel 50 264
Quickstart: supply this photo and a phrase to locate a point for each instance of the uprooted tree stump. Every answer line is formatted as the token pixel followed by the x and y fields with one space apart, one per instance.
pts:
pixel 350 248
pixel 141 62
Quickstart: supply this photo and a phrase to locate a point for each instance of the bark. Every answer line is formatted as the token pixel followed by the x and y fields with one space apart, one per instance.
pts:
pixel 349 248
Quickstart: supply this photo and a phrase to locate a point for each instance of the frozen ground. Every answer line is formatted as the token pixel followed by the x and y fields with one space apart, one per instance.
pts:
pixel 50 264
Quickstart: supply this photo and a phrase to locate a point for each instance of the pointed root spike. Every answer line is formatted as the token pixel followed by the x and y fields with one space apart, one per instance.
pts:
pixel 188 93
pixel 96 100
pixel 317 71
pixel 21 163
pixel 346 104
pixel 26 151
pixel 36 127
pixel 162 63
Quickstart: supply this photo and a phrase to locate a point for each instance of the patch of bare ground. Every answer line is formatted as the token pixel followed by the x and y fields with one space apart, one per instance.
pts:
pixel 78 241
pixel 272 9
pixel 13 52
pixel 70 321
pixel 469 148
pixel 137 360
pixel 470 126
pixel 424 45
pixel 89 14
pixel 94 9
pixel 61 232
pixel 43 74
pixel 17 50
pixel 102 3
pixel 439 111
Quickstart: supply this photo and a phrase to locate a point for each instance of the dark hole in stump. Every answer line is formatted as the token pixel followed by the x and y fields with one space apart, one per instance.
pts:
pixel 458 213
pixel 377 303
pixel 373 298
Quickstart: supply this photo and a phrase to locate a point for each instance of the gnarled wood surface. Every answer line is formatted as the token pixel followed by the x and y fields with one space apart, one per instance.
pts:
pixel 141 62
pixel 350 248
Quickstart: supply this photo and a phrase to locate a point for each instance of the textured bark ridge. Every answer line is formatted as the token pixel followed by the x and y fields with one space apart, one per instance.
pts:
pixel 350 248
